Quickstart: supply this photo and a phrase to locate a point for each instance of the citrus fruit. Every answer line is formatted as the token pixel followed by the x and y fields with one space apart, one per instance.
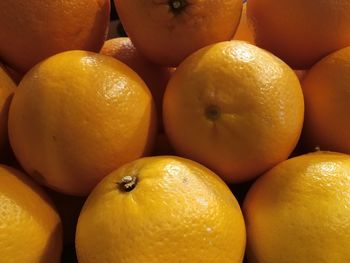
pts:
pixel 30 226
pixel 244 31
pixel 326 89
pixel 299 211
pixel 161 209
pixel 235 108
pixel 7 87
pixel 300 32
pixel 77 116
pixel 156 77
pixel 166 32
pixel 33 30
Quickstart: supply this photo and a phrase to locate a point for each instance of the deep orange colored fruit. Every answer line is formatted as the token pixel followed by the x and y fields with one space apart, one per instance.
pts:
pixel 326 89
pixel 33 30
pixel 166 32
pixel 299 211
pixel 161 209
pixel 31 229
pixel 156 77
pixel 235 108
pixel 300 32
pixel 76 117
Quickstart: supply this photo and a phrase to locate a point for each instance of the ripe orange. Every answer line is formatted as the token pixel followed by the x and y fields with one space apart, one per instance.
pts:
pixel 33 30
pixel 77 116
pixel 299 211
pixel 235 108
pixel 166 32
pixel 7 87
pixel 244 31
pixel 326 89
pixel 300 32
pixel 31 229
pixel 161 209
pixel 156 77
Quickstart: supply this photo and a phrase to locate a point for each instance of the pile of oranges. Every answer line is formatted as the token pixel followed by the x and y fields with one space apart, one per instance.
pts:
pixel 216 131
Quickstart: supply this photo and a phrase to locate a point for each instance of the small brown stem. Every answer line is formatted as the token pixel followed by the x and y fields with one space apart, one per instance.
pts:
pixel 127 183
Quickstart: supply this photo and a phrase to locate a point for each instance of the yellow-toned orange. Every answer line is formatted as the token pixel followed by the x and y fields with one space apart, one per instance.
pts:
pixel 161 209
pixel 31 229
pixel 299 211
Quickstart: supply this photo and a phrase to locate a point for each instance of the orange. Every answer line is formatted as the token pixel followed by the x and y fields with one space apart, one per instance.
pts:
pixel 235 108
pixel 166 32
pixel 156 77
pixel 31 229
pixel 76 117
pixel 161 209
pixel 299 211
pixel 300 32
pixel 244 31
pixel 33 30
pixel 7 87
pixel 326 89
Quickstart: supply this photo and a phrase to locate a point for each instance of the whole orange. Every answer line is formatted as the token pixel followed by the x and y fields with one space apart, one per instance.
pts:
pixel 235 108
pixel 76 117
pixel 33 30
pixel 161 209
pixel 166 32
pixel 300 32
pixel 156 77
pixel 326 88
pixel 299 211
pixel 31 229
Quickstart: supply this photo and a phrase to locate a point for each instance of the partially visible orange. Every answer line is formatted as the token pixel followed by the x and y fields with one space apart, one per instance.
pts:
pixel 156 77
pixel 77 116
pixel 166 32
pixel 7 88
pixel 326 89
pixel 300 32
pixel 244 31
pixel 299 211
pixel 33 30
pixel 235 108
pixel 31 229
